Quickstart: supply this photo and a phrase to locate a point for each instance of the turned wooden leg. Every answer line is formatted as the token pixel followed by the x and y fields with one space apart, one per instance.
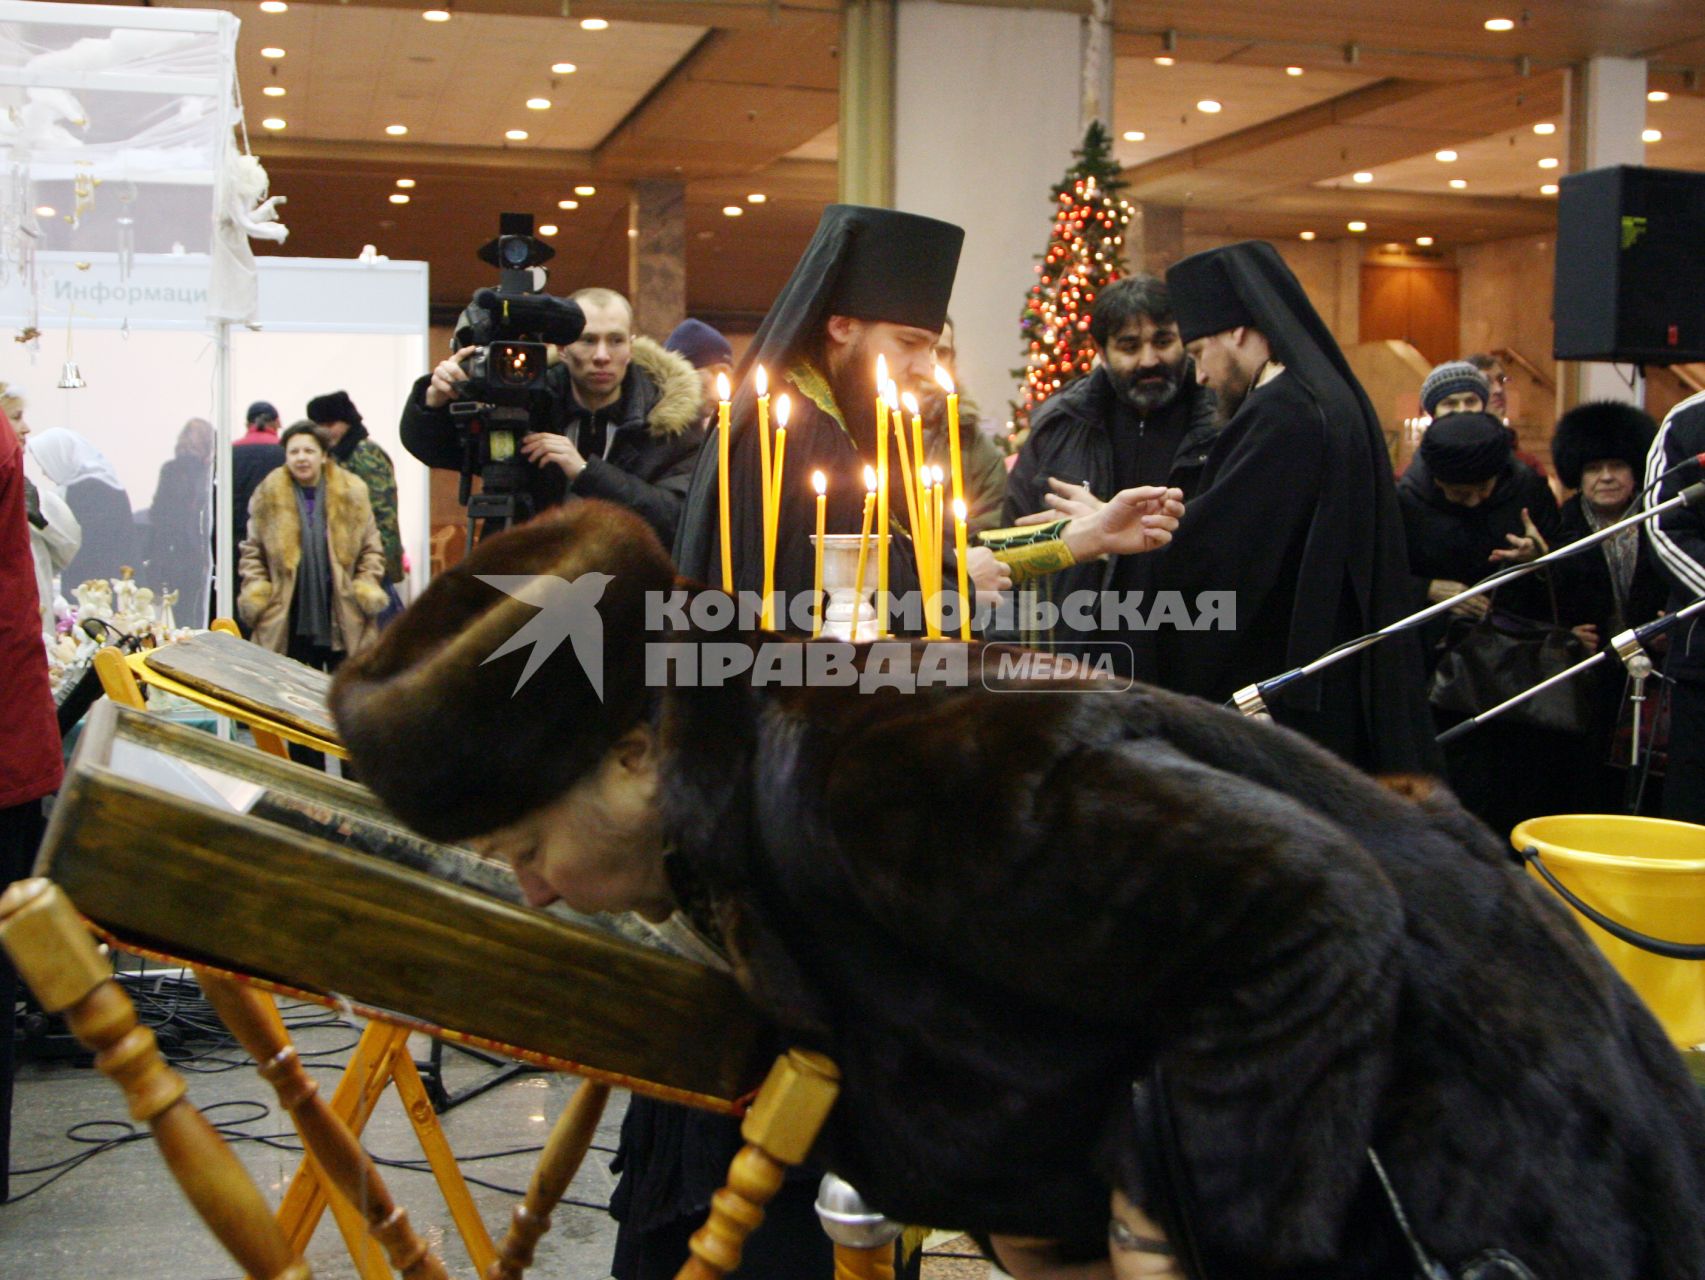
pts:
pixel 779 1129
pixel 558 1163
pixel 56 956
pixel 864 1264
pixel 349 1168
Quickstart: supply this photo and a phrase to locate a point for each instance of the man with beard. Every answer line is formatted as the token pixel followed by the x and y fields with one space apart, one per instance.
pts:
pixel 1140 419
pixel 1297 514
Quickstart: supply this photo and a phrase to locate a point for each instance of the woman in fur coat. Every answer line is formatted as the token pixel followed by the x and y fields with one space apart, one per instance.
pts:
pixel 312 568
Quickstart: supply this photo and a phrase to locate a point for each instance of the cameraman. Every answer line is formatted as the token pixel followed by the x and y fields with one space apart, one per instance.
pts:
pixel 624 419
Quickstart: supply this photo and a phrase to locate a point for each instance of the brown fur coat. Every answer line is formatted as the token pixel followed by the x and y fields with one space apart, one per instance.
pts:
pixel 271 552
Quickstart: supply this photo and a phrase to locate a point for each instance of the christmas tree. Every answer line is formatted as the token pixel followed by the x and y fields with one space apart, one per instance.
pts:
pixel 1086 253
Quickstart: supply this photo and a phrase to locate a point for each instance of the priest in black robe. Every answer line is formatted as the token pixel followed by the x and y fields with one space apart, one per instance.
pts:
pixel 1297 514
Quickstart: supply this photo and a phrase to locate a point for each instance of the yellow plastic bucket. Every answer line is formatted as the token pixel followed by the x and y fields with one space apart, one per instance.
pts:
pixel 1647 874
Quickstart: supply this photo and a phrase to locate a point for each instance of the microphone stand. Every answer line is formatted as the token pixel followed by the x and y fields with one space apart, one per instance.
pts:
pixel 1251 699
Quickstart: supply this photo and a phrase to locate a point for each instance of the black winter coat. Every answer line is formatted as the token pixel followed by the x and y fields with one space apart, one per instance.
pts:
pixel 1679 536
pixel 1000 911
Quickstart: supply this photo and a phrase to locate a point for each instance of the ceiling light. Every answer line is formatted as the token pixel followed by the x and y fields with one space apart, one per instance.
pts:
pixel 515 135
pixel 757 197
pixel 273 6
pixel 594 24
pixel 1306 235
pixel 633 233
pixel 538 104
pixel 586 191
pixel 1657 95
pixel 1209 105
pixel 1426 242
pixel 1550 162
pixel 1444 157
pixel 1364 176
pixel 1391 248
pixel 405 183
pixel 1500 24
pixel 396 130
pixel 1545 128
pixel 568 204
pixel 272 51
pixel 1293 71
pixel 273 91
pixel 1549 189
pixel 1652 135
pixel 1357 226
pixel 45 211
pixel 1134 135
pixel 436 15
pixel 563 68
pixel 732 210
pixel 549 229
pixel 397 197
pixel 1457 184
pixel 272 122
pixel 1164 61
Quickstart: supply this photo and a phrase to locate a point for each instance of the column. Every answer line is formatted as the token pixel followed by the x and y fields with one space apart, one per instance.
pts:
pixel 1156 238
pixel 867 103
pixel 1607 113
pixel 987 106
pixel 657 256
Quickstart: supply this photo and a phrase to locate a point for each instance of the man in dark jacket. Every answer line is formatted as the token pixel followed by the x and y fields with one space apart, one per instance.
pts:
pixel 624 424
pixel 1679 539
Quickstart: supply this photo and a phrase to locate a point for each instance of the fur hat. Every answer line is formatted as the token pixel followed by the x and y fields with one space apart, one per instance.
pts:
pixel 1452 378
pixel 334 406
pixel 511 676
pixel 1601 429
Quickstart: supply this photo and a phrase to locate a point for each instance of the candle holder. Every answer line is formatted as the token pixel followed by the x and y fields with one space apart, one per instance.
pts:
pixel 850 616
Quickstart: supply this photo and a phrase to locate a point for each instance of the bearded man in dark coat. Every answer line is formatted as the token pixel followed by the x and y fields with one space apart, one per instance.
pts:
pixel 1296 513
pixel 1076 953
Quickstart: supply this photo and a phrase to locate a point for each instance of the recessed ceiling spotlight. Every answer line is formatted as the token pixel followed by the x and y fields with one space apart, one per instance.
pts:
pixel 1652 135
pixel 1305 235
pixel 1549 162
pixel 538 104
pixel 1210 106
pixel 436 15
pixel 1164 61
pixel 1445 157
pixel 1657 95
pixel 273 6
pixel 586 191
pixel 1545 128
pixel 1133 135
pixel 568 204
pixel 563 68
pixel 549 229
pixel 398 197
pixel 1393 247
pixel 1549 189
pixel 273 90
pixel 1363 177
pixel 1426 242
pixel 45 211
pixel 633 233
pixel 1500 24
pixel 1293 71
pixel 515 135
pixel 732 210
pixel 272 51
pixel 1357 227
pixel 1457 184
pixel 396 130
pixel 274 123
pixel 594 24
pixel 405 183
pixel 757 197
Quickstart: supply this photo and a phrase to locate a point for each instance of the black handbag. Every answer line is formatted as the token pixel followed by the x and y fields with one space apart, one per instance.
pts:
pixel 1486 662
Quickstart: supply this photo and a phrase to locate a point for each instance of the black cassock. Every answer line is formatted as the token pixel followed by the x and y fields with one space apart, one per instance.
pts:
pixel 1028 925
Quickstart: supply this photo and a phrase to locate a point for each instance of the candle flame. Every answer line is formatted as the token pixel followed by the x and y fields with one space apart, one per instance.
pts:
pixel 881 374
pixel 938 475
pixel 760 380
pixel 784 407
pixel 820 482
pixel 911 403
pixel 722 387
pixel 870 478
pixel 959 509
pixel 891 394
pixel 944 379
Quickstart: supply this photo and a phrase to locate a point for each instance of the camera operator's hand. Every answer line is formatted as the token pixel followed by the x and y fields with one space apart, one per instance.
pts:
pixel 542 448
pixel 446 380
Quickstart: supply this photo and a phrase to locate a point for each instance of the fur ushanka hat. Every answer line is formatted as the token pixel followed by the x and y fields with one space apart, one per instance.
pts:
pixel 1601 429
pixel 511 676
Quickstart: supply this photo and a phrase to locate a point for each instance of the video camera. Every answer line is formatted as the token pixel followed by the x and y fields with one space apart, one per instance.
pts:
pixel 506 394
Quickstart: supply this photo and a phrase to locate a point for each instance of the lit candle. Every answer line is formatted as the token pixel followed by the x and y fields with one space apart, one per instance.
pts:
pixel 863 548
pixel 722 390
pixel 946 380
pixel 907 484
pixel 881 497
pixel 761 384
pixel 959 548
pixel 819 482
pixel 783 407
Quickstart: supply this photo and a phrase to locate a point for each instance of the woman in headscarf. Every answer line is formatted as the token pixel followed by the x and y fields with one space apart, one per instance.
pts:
pixel 312 568
pixel 179 543
pixel 78 472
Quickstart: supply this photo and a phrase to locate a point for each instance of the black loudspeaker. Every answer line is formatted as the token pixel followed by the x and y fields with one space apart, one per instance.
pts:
pixel 1631 266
